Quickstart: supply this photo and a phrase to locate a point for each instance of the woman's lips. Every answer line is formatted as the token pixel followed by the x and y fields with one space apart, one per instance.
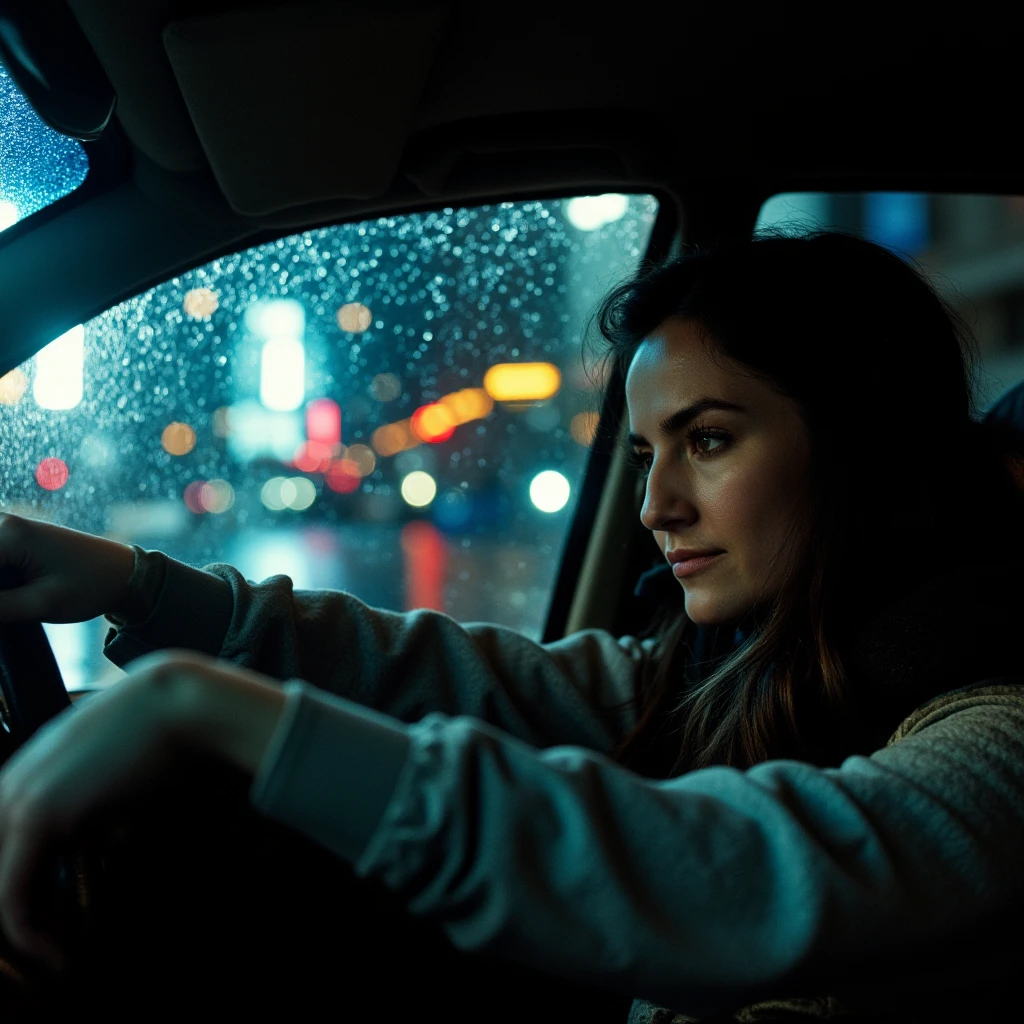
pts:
pixel 689 566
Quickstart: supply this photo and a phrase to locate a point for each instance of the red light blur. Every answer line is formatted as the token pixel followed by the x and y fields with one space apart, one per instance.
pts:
pixel 193 497
pixel 312 457
pixel 323 422
pixel 419 421
pixel 342 476
pixel 426 556
pixel 52 474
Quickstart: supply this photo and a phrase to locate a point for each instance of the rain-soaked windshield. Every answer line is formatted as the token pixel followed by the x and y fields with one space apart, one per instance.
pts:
pixel 395 408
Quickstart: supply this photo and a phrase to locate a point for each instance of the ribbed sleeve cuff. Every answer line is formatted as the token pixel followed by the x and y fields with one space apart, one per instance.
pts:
pixel 330 769
pixel 192 610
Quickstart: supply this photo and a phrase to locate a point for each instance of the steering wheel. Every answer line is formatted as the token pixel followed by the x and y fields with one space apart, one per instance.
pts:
pixel 32 691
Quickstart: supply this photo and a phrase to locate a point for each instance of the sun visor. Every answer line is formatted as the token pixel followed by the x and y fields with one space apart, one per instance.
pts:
pixel 304 103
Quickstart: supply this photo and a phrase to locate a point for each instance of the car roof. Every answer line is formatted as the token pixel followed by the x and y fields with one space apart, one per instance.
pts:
pixel 239 122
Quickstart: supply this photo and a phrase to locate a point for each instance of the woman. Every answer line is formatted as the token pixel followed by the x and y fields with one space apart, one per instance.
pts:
pixel 808 783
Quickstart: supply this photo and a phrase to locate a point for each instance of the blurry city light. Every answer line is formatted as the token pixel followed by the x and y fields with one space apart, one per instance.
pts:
pixel 192 497
pixel 60 371
pixel 342 476
pixel 256 432
pixel 283 374
pixel 312 457
pixel 364 459
pixel 432 423
pixel 9 214
pixel 354 317
pixel 52 474
pixel 222 421
pixel 522 382
pixel 216 496
pixel 385 387
pixel 298 493
pixel 549 491
pixel 393 438
pixel 96 451
pixel 276 318
pixel 418 489
pixel 426 556
pixel 468 404
pixel 270 494
pixel 588 213
pixel 583 427
pixel 200 302
pixel 178 439
pixel 323 421
pixel 12 387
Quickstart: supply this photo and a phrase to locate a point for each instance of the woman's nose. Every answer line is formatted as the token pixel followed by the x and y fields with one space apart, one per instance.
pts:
pixel 665 504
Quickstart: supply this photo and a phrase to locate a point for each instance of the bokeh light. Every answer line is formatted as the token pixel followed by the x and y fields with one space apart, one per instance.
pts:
pixel 364 459
pixel 12 387
pixel 178 438
pixel 200 302
pixel 433 423
pixel 312 457
pixel 385 387
pixel 588 213
pixel 191 497
pixel 216 496
pixel 418 488
pixel 52 474
pixel 468 404
pixel 323 421
pixel 354 317
pixel 342 476
pixel 298 493
pixel 60 371
pixel 549 491
pixel 583 427
pixel 392 438
pixel 222 426
pixel 522 382
pixel 9 214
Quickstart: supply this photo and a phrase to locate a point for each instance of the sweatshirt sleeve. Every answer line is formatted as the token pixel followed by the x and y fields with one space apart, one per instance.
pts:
pixel 576 691
pixel 702 893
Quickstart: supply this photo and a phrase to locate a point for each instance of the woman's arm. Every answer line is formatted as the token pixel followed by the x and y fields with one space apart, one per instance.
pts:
pixel 404 664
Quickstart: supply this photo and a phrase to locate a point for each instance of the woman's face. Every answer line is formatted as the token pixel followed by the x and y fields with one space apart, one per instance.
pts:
pixel 729 466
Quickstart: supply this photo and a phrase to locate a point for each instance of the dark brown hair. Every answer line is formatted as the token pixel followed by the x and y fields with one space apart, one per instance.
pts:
pixel 881 368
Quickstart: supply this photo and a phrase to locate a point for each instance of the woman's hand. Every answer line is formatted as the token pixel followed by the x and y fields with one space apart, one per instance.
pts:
pixel 69 576
pixel 114 745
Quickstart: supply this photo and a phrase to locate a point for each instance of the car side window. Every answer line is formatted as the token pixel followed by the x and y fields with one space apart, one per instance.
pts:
pixel 396 408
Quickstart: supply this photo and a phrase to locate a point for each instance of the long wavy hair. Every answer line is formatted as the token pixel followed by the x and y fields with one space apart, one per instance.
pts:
pixel 882 369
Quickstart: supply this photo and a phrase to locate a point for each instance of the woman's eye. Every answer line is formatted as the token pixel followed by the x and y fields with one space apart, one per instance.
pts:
pixel 706 443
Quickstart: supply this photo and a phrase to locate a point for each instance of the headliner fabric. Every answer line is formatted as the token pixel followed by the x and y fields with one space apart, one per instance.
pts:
pixel 305 104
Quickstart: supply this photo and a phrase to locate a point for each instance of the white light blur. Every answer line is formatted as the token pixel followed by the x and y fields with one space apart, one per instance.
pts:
pixel 588 213
pixel 60 371
pixel 9 214
pixel 283 374
pixel 276 318
pixel 418 489
pixel 271 496
pixel 301 493
pixel 549 491
pixel 257 432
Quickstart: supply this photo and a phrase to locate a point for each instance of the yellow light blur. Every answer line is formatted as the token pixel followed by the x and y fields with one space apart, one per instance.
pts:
pixel 385 387
pixel 362 458
pixel 393 438
pixel 418 488
pixel 12 387
pixel 178 439
pixel 522 382
pixel 200 302
pixel 216 496
pixel 468 404
pixel 354 317
pixel 583 427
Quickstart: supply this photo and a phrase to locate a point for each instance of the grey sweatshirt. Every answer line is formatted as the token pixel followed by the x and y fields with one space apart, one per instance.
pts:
pixel 468 766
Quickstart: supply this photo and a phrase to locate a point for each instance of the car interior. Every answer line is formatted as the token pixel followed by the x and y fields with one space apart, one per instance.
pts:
pixel 392 157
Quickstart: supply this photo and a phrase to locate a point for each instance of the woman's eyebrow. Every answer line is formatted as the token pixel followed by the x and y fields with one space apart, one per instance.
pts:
pixel 678 420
